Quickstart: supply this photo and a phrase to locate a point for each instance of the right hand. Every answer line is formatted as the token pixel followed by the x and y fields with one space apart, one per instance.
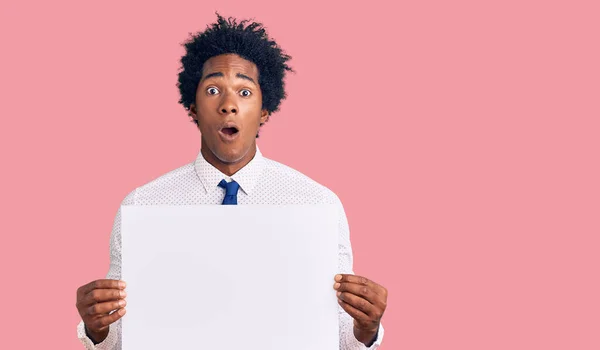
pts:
pixel 95 302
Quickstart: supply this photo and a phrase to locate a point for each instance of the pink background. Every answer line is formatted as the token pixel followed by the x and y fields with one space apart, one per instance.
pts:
pixel 462 138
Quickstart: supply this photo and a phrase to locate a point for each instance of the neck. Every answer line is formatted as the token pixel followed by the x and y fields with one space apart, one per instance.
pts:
pixel 227 168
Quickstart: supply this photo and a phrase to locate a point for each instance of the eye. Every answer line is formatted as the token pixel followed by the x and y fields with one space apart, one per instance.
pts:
pixel 245 93
pixel 212 90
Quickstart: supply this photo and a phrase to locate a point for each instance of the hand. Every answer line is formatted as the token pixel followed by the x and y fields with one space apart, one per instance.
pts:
pixel 365 301
pixel 95 302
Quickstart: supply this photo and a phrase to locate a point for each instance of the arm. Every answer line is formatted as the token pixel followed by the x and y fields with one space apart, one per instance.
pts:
pixel 112 339
pixel 349 333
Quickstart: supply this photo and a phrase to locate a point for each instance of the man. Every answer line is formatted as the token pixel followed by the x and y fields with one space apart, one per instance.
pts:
pixel 231 82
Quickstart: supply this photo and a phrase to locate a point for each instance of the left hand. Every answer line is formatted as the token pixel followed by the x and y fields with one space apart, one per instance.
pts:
pixel 365 301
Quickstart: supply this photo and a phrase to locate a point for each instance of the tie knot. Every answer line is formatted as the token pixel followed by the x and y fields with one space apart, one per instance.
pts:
pixel 231 188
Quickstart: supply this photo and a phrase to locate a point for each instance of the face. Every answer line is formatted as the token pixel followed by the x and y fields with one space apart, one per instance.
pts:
pixel 229 110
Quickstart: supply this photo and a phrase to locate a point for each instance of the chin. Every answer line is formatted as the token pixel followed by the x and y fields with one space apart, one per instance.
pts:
pixel 230 155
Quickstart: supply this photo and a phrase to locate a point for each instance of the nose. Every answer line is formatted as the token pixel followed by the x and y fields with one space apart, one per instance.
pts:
pixel 228 105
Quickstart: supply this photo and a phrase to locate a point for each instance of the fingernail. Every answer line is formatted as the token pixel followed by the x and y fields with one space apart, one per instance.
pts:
pixel 121 303
pixel 122 284
pixel 121 312
pixel 336 286
pixel 338 277
pixel 123 294
pixel 338 293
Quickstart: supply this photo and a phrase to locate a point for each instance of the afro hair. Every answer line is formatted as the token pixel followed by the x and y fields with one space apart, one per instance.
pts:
pixel 248 40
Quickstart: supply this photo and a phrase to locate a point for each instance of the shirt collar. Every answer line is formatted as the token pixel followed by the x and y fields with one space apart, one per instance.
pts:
pixel 246 177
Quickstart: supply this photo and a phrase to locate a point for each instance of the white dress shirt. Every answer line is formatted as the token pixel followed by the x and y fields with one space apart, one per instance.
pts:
pixel 262 181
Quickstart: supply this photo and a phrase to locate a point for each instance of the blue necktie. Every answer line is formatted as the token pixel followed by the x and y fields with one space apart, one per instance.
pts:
pixel 231 190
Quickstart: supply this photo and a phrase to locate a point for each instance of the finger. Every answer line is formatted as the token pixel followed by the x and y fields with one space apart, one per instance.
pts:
pixel 363 281
pixel 358 290
pixel 102 284
pixel 357 302
pixel 103 295
pixel 105 308
pixel 100 323
pixel 356 314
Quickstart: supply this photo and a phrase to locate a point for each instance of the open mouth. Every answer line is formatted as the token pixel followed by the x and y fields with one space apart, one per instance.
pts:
pixel 230 130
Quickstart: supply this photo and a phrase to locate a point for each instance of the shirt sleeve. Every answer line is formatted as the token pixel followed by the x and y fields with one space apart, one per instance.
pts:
pixel 113 340
pixel 347 339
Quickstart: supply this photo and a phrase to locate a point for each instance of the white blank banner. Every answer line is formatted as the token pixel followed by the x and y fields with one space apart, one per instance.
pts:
pixel 230 277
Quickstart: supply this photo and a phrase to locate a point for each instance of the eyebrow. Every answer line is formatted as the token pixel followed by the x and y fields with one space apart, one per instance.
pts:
pixel 221 75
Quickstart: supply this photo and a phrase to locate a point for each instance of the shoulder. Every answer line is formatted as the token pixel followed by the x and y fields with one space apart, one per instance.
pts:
pixel 165 189
pixel 293 183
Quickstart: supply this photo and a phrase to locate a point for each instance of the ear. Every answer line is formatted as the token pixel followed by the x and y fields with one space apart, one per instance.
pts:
pixel 193 112
pixel 264 116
